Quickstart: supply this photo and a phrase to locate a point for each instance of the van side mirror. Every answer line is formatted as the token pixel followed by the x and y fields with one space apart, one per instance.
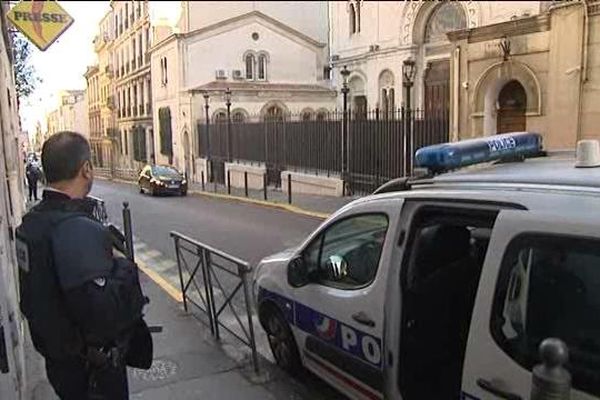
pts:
pixel 297 272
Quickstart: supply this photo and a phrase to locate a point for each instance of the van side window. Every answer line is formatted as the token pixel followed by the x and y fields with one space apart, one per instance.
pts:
pixel 346 255
pixel 549 286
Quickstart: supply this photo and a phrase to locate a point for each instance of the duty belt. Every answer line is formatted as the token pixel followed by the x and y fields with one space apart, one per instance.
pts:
pixel 104 357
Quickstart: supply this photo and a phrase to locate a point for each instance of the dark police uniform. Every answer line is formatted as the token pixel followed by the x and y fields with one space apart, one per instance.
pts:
pixel 83 305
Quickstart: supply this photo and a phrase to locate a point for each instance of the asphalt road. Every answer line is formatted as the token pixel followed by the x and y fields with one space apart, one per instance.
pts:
pixel 247 231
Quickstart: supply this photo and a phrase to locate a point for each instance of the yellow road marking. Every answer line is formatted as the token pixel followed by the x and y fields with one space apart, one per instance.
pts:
pixel 160 281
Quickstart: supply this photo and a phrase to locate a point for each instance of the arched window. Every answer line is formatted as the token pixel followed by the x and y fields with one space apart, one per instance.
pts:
pixel 321 116
pixel 262 67
pixel 352 18
pixel 387 93
pixel 447 17
pixel 307 115
pixel 274 113
pixel 238 117
pixel 250 66
pixel 220 116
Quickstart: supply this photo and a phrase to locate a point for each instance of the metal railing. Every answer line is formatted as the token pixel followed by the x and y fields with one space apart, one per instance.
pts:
pixel 99 212
pixel 204 282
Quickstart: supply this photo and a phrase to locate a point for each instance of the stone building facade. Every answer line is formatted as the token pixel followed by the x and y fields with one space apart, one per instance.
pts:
pixel 132 85
pixel 540 73
pixel 273 56
pixel 71 114
pixel 12 205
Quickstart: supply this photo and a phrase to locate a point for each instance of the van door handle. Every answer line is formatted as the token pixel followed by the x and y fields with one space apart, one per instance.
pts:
pixel 490 387
pixel 362 318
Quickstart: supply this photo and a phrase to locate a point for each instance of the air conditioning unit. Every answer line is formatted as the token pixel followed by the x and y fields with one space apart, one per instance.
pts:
pixel 220 74
pixel 236 74
pixel 373 47
pixel 335 57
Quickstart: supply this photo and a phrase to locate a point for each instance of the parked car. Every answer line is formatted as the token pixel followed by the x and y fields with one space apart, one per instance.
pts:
pixel 162 179
pixel 444 286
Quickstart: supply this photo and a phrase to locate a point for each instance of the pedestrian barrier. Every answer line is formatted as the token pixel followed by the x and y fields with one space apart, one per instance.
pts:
pixel 99 212
pixel 211 285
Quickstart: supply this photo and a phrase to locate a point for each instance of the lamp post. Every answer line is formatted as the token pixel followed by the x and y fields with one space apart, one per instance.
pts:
pixel 207 121
pixel 408 78
pixel 345 90
pixel 228 105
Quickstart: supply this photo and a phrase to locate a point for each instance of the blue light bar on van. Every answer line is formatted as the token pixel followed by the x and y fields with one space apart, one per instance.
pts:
pixel 448 156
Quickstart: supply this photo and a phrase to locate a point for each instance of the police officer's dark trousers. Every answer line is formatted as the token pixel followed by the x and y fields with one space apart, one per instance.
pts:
pixel 32 185
pixel 73 380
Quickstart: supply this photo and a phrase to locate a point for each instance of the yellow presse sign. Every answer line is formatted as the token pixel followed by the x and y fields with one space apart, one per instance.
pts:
pixel 42 22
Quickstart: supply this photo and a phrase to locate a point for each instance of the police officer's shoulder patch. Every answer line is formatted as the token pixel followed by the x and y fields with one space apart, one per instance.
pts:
pixel 22 254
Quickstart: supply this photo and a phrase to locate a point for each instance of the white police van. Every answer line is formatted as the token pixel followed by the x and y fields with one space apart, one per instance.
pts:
pixel 443 287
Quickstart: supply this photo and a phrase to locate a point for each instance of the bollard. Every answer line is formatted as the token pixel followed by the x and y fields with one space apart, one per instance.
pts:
pixel 228 182
pixel 550 380
pixel 246 183
pixel 202 179
pixel 289 182
pixel 265 187
pixel 128 231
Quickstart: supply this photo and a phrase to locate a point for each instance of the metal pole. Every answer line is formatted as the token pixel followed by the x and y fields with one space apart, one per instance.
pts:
pixel 289 187
pixel 246 183
pixel 265 186
pixel 211 295
pixel 202 253
pixel 410 129
pixel 245 271
pixel 228 104
pixel 202 179
pixel 228 182
pixel 208 158
pixel 128 231
pixel 183 295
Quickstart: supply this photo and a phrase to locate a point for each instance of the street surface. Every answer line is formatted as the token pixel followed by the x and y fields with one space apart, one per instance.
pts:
pixel 246 231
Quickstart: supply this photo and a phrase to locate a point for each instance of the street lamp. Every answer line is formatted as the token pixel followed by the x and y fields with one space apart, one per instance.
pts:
pixel 207 121
pixel 345 90
pixel 408 77
pixel 228 105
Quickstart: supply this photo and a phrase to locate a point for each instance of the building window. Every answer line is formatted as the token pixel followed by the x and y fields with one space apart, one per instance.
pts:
pixel 133 51
pixel 307 115
pixel 387 92
pixel 139 144
pixel 250 66
pixel 447 17
pixel 262 67
pixel 126 20
pixel 352 18
pixel 238 117
pixel 166 136
pixel 220 117
pixel 163 71
pixel 274 113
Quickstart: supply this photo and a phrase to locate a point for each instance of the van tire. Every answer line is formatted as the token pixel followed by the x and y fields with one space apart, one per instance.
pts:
pixel 281 341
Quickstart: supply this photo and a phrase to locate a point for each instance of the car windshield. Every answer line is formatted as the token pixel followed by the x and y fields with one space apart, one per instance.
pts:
pixel 167 172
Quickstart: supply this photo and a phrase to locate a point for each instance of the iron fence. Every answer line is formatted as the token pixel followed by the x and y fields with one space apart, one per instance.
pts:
pixel 379 147
pixel 210 280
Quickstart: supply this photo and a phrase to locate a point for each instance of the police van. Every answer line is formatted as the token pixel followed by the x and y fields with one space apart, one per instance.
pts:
pixel 443 286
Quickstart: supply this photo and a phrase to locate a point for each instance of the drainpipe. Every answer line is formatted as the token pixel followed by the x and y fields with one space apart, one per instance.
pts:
pixel 583 62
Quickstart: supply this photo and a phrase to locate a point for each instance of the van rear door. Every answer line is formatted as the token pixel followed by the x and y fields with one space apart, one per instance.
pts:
pixel 541 279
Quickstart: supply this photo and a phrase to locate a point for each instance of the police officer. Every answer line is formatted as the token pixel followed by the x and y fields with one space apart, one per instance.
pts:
pixel 83 305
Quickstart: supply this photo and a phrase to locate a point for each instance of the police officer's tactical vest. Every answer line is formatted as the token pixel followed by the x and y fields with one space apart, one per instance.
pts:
pixel 53 332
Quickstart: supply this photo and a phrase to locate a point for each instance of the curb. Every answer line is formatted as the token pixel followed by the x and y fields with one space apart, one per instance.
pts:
pixel 281 206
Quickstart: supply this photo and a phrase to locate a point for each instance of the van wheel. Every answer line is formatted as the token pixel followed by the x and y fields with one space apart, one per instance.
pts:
pixel 282 342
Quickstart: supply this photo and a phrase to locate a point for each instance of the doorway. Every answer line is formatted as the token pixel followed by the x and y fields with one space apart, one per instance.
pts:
pixel 360 107
pixel 186 154
pixel 512 103
pixel 441 270
pixel 437 87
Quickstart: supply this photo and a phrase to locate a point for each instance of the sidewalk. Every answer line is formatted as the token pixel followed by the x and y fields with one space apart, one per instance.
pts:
pixel 189 364
pixel 300 201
